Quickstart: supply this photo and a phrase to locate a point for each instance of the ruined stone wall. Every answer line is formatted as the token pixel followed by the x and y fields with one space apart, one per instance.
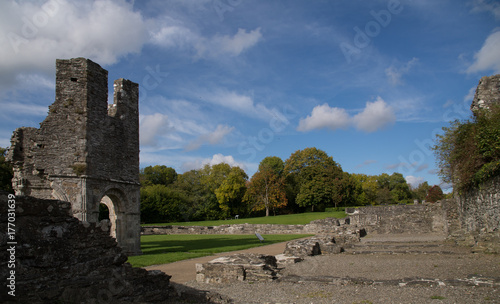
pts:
pixel 479 213
pixel 85 150
pixel 487 93
pixel 428 218
pixel 62 260
pixel 329 225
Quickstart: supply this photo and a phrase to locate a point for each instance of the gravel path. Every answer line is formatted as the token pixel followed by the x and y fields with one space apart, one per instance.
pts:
pixel 372 278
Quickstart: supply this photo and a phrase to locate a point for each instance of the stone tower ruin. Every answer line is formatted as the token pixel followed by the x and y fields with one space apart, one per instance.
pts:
pixel 85 152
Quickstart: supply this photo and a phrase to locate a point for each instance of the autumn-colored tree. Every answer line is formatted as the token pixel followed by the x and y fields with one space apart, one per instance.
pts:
pixel 435 194
pixel 266 189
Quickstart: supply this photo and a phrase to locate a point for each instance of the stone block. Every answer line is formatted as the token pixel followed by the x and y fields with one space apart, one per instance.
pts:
pixel 238 267
pixel 302 248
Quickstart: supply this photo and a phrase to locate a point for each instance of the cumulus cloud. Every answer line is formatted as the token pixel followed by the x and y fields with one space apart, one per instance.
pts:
pixel 216 159
pixel 212 138
pixel 34 35
pixel 375 116
pixel 488 57
pixel 395 73
pixel 324 116
pixel 414 181
pixel 150 126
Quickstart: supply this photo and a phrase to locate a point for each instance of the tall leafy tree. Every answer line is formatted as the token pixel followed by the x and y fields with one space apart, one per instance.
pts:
pixel 160 203
pixel 314 177
pixel 435 194
pixel 231 191
pixel 6 173
pixel 266 189
pixel 158 175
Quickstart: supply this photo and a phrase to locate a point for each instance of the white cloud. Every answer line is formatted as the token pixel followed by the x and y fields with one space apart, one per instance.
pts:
pixel 488 57
pixel 171 33
pixel 395 74
pixel 487 6
pixel 216 159
pixel 237 102
pixel 324 116
pixel 233 46
pixel 414 181
pixel 212 138
pixel 150 126
pixel 33 36
pixel 376 115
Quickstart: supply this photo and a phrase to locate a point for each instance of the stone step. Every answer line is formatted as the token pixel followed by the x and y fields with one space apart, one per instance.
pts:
pixel 400 248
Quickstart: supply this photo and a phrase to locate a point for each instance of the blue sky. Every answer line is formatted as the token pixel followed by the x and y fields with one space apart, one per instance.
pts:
pixel 369 82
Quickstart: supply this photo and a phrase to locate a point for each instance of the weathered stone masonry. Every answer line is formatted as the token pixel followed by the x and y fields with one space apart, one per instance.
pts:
pixel 85 152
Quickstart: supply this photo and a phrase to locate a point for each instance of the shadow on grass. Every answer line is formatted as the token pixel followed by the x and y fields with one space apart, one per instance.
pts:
pixel 200 244
pixel 162 249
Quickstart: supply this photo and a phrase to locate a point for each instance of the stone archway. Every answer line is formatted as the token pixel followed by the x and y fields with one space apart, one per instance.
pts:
pixel 115 200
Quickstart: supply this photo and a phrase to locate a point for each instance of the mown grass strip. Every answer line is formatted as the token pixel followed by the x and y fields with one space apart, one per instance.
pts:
pixel 289 219
pixel 162 249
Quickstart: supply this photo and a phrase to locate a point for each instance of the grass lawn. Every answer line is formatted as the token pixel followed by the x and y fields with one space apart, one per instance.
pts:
pixel 162 249
pixel 289 219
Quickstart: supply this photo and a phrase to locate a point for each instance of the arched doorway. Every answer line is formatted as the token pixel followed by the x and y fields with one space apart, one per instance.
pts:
pixel 113 200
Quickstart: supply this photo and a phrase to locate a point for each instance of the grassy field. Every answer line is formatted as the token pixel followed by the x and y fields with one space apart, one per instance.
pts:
pixel 289 219
pixel 162 249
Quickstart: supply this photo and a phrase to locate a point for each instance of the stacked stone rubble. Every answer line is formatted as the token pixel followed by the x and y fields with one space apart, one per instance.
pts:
pixel 60 259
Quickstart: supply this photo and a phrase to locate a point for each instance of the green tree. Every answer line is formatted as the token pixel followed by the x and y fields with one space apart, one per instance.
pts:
pixel 369 186
pixel 160 203
pixel 231 191
pixel 421 191
pixel 313 177
pixel 400 190
pixel 190 185
pixel 157 175
pixel 6 172
pixel 273 163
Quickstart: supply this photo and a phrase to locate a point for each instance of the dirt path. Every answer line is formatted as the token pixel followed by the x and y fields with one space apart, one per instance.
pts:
pixel 184 271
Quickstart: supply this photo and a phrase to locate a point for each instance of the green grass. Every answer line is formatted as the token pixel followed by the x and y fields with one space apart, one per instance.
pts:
pixel 162 249
pixel 289 219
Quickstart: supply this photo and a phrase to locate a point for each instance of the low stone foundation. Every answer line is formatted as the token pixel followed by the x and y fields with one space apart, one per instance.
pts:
pixel 258 267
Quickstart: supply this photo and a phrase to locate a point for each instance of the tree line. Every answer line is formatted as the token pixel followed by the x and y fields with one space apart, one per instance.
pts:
pixel 308 180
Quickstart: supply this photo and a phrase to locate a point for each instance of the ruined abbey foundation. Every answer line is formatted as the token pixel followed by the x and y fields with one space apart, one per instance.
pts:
pixel 85 152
